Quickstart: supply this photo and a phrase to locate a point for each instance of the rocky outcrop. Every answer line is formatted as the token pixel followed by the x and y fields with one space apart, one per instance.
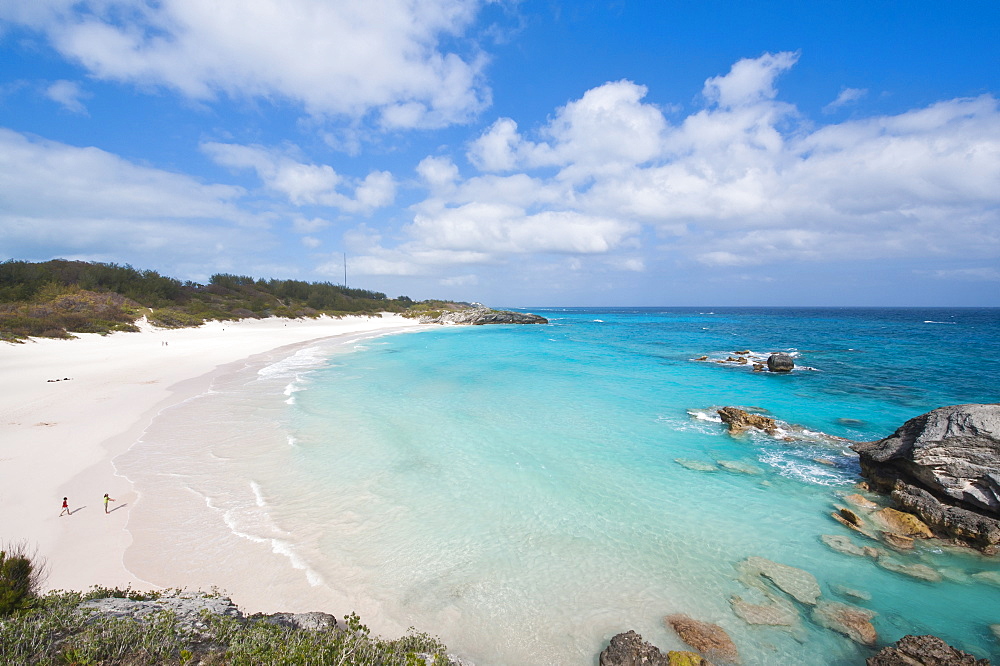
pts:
pixel 480 316
pixel 923 651
pixel 705 637
pixel 944 466
pixel 780 363
pixel 628 649
pixel 739 420
pixel 796 583
pixel 851 621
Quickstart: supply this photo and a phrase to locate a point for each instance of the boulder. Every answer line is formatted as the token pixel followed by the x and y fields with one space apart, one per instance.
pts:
pixel 902 523
pixel 684 658
pixel 851 621
pixel 896 541
pixel 705 637
pixel 314 621
pixel 860 501
pixel 188 607
pixel 780 363
pixel 776 614
pixel 739 420
pixel 628 649
pixel 798 584
pixel 481 315
pixel 923 651
pixel 945 465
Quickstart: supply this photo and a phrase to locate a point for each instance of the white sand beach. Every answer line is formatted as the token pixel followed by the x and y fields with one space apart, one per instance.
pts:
pixel 69 407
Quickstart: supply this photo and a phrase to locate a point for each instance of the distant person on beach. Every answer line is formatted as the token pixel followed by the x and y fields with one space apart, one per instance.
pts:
pixel 65 508
pixel 106 500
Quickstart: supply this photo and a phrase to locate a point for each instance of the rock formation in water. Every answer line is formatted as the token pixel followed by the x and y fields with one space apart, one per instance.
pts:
pixel 923 651
pixel 705 637
pixel 944 466
pixel 780 363
pixel 480 316
pixel 739 420
pixel 628 649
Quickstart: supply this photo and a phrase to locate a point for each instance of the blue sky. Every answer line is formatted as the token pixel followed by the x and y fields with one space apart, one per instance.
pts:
pixel 515 153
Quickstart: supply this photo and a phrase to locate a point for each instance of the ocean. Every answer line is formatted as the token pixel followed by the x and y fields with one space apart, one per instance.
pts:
pixel 527 492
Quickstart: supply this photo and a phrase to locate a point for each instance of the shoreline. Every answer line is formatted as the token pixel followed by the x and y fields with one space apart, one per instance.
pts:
pixel 68 408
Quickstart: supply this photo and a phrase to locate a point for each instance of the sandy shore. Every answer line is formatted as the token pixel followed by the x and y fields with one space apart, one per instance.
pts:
pixel 58 438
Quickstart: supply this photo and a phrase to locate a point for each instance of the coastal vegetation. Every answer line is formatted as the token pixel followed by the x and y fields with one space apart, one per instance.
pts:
pixel 63 627
pixel 58 298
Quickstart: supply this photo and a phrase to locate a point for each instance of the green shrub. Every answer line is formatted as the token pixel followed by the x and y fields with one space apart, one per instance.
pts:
pixel 21 576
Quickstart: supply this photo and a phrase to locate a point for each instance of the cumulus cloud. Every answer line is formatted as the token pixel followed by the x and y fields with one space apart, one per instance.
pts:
pixel 847 96
pixel 69 94
pixel 348 58
pixel 62 200
pixel 744 181
pixel 306 184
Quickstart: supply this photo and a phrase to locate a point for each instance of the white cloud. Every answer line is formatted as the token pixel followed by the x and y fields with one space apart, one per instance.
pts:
pixel 306 184
pixel 61 200
pixel 348 58
pixel 311 242
pixel 846 96
pixel 69 94
pixel 744 181
pixel 978 274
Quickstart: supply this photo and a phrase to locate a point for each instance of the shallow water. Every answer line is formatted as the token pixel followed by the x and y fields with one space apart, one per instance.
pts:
pixel 517 490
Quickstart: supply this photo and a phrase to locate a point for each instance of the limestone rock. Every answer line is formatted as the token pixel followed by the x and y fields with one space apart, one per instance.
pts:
pixel 896 541
pixel 902 523
pixel 995 628
pixel 739 420
pixel 628 649
pixel 314 621
pixel 481 315
pixel 947 462
pixel 776 614
pixel 800 585
pixel 843 544
pixel 991 577
pixel 860 501
pixel 851 621
pixel 780 363
pixel 921 571
pixel 923 651
pixel 696 465
pixel 739 467
pixel 684 658
pixel 845 591
pixel 188 607
pixel 705 637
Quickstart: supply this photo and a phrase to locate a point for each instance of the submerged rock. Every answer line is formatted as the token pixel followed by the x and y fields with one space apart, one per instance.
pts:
pixel 921 571
pixel 776 614
pixel 741 468
pixel 845 591
pixel 843 544
pixel 800 585
pixel 696 465
pixel 896 541
pixel 902 523
pixel 705 637
pixel 991 577
pixel 739 420
pixel 923 651
pixel 851 621
pixel 945 467
pixel 860 501
pixel 628 649
pixel 780 363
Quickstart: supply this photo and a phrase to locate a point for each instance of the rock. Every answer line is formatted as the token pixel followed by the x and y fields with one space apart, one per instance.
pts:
pixel 896 541
pixel 702 358
pixel 995 628
pixel 843 544
pixel 705 637
pixel 923 651
pixel 860 501
pixel 780 363
pixel 991 577
pixel 854 423
pixel 742 353
pixel 921 571
pixel 845 591
pixel 758 367
pixel 481 315
pixel 683 658
pixel 947 463
pixel 902 523
pixel 188 607
pixel 696 465
pixel 851 621
pixel 776 614
pixel 628 649
pixel 825 461
pixel 314 621
pixel 739 420
pixel 741 468
pixel 800 585
pixel 848 515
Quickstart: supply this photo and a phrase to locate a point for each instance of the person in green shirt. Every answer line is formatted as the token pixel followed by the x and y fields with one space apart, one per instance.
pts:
pixel 106 500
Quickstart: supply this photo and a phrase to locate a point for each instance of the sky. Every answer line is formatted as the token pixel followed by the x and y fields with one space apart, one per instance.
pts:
pixel 516 153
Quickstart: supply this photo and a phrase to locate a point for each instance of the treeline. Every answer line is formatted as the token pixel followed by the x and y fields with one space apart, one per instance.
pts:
pixel 58 298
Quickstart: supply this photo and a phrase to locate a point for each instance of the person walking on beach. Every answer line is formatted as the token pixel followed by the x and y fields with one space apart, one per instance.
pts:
pixel 106 500
pixel 65 508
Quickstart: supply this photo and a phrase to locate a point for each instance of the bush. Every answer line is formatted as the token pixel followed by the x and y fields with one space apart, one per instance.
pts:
pixel 21 576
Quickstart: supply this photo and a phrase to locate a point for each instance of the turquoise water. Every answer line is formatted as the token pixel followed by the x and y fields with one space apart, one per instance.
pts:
pixel 517 491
